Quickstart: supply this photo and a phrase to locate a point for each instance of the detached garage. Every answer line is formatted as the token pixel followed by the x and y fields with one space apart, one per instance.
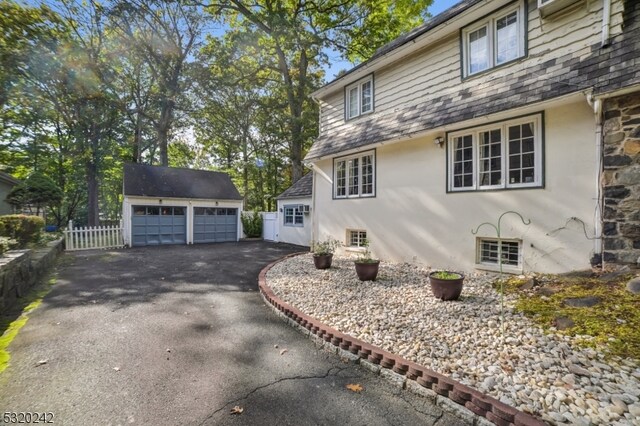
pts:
pixel 166 205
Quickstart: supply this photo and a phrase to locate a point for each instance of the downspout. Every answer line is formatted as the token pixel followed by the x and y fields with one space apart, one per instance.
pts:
pixel 596 104
pixel 606 18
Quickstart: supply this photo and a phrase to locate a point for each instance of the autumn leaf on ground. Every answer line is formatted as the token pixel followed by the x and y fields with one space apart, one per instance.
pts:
pixel 237 410
pixel 354 387
pixel 284 351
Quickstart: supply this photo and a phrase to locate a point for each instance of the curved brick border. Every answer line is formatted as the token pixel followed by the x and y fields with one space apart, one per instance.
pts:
pixel 475 401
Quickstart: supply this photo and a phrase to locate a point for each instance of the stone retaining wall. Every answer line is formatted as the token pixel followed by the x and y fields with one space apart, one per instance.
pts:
pixel 621 179
pixel 21 269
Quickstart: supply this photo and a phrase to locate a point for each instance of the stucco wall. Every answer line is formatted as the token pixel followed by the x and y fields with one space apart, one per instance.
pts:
pixel 300 235
pixel 412 218
pixel 177 202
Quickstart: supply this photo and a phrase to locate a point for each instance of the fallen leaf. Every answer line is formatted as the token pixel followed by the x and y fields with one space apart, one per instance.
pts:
pixel 42 362
pixel 116 368
pixel 354 387
pixel 284 351
pixel 237 410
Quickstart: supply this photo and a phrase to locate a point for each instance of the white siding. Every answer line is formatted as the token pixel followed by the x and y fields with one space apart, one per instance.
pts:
pixel 413 219
pixel 435 70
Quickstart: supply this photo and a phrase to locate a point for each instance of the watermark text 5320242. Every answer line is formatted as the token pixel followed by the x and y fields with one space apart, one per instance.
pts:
pixel 26 417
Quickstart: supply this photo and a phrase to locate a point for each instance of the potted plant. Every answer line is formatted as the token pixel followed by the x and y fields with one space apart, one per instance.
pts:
pixel 323 252
pixel 366 266
pixel 446 285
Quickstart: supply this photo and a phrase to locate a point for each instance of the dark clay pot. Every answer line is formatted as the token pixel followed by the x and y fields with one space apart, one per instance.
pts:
pixel 446 289
pixel 367 271
pixel 322 261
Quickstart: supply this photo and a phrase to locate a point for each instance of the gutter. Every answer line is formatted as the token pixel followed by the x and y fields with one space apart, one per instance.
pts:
pixel 596 105
pixel 606 19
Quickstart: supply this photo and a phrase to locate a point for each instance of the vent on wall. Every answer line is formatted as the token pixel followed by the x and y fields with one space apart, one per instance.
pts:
pixel 549 7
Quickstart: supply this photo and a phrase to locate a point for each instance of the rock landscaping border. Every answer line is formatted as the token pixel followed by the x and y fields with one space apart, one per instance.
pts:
pixel 465 402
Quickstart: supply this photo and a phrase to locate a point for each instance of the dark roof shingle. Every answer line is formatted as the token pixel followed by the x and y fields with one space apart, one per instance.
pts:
pixel 302 188
pixel 171 182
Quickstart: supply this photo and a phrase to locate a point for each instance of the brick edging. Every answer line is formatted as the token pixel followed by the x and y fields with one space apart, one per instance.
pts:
pixel 473 400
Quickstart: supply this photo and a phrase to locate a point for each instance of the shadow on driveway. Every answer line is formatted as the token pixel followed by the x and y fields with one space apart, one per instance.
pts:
pixel 179 335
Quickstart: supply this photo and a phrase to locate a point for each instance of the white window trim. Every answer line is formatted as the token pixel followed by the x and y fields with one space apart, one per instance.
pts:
pixel 296 208
pixel 347 98
pixel 490 23
pixel 503 125
pixel 490 266
pixel 359 248
pixel 346 159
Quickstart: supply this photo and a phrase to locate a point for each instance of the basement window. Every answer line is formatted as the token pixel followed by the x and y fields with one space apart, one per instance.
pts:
pixel 489 251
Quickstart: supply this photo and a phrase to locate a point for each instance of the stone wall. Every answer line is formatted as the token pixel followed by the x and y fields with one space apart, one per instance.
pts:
pixel 621 179
pixel 21 269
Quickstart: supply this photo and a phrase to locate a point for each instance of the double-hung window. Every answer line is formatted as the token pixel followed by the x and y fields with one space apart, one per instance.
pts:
pixel 495 40
pixel 293 215
pixel 354 176
pixel 359 98
pixel 505 155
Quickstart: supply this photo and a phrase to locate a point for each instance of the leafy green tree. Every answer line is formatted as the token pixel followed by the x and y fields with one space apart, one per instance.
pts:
pixel 38 191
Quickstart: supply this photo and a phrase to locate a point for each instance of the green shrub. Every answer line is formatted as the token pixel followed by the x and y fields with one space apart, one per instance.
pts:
pixel 6 244
pixel 24 229
pixel 252 224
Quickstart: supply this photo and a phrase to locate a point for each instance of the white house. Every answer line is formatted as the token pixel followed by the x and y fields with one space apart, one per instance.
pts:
pixel 294 212
pixel 165 205
pixel 493 106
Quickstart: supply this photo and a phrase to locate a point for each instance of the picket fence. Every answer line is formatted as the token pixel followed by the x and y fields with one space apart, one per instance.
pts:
pixel 93 237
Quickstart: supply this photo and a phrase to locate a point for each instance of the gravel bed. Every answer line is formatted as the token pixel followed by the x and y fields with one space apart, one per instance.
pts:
pixel 546 374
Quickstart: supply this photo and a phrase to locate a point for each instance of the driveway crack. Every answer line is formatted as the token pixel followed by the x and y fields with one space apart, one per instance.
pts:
pixel 330 372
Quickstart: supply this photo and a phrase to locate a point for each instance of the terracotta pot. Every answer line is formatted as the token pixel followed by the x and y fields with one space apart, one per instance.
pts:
pixel 446 289
pixel 322 261
pixel 367 271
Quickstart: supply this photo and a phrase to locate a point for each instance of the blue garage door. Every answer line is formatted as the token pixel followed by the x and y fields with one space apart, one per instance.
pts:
pixel 214 225
pixel 152 226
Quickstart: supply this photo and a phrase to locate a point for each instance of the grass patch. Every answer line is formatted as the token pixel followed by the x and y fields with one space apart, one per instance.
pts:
pixel 10 325
pixel 613 324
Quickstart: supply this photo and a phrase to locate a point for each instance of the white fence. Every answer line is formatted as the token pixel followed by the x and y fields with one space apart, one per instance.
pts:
pixel 93 237
pixel 270 226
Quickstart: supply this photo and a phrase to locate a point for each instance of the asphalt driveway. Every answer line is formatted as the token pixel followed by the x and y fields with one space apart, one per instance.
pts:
pixel 178 336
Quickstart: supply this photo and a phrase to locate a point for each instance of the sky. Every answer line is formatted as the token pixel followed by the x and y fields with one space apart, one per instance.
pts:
pixel 338 64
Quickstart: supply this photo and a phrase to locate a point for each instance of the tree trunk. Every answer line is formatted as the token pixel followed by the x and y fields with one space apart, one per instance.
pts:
pixel 164 123
pixel 93 216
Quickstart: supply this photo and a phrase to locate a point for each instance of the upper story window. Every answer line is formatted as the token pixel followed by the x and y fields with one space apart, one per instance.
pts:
pixel 359 98
pixel 495 40
pixel 354 176
pixel 496 156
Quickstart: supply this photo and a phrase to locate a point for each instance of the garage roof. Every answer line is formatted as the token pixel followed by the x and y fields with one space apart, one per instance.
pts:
pixel 302 188
pixel 172 182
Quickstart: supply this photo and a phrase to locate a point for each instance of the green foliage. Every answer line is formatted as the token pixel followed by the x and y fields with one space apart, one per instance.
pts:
pixel 446 275
pixel 38 190
pixel 7 244
pixel 613 324
pixel 324 247
pixel 365 256
pixel 24 229
pixel 252 224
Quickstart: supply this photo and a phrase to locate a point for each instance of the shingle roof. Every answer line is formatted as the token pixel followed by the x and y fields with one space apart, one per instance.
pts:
pixel 602 70
pixel 302 188
pixel 170 182
pixel 8 178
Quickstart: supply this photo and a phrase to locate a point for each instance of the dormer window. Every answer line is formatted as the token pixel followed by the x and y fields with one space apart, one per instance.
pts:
pixel 359 98
pixel 494 41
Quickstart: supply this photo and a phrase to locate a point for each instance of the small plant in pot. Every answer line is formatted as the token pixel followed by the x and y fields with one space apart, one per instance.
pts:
pixel 323 252
pixel 366 266
pixel 446 285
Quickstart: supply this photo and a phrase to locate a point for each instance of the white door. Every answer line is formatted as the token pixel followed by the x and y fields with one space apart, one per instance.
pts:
pixel 270 226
